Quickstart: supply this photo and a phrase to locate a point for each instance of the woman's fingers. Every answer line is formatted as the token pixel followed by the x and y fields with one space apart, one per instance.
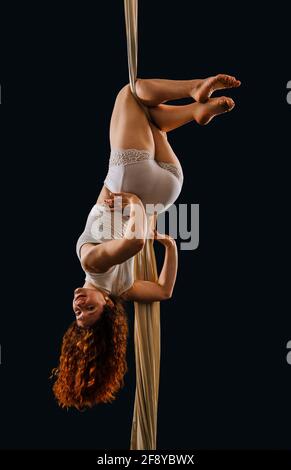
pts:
pixel 118 198
pixel 115 205
pixel 127 196
pixel 122 194
pixel 113 202
pixel 163 238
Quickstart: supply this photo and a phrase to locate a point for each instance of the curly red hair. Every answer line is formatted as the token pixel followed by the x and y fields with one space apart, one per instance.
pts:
pixel 93 360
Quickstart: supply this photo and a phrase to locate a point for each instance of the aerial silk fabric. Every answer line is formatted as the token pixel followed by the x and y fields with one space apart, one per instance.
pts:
pixel 146 316
pixel 147 357
pixel 131 24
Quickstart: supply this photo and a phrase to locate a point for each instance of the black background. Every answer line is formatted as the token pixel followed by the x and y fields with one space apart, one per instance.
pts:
pixel 225 381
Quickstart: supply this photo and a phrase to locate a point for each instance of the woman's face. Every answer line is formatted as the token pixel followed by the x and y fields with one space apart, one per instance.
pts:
pixel 88 305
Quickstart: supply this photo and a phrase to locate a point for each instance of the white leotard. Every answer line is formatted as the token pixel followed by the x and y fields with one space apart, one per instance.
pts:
pixel 133 171
pixel 136 171
pixel 98 229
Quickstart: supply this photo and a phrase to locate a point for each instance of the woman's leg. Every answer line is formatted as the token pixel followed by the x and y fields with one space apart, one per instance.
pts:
pixel 129 126
pixel 168 117
pixel 156 91
pixel 163 150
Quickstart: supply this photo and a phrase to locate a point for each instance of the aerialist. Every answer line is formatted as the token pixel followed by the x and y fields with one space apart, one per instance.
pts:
pixel 143 169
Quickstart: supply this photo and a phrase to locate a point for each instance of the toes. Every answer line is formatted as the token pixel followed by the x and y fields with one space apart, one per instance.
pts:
pixel 210 85
pixel 233 82
pixel 222 77
pixel 228 80
pixel 226 103
pixel 225 80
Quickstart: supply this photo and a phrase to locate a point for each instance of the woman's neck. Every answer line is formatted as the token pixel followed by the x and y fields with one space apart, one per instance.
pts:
pixel 89 285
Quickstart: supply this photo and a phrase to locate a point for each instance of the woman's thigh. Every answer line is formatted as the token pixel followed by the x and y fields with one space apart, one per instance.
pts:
pixel 163 150
pixel 129 126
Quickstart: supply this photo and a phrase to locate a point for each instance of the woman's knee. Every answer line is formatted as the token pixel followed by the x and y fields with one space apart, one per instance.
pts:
pixel 158 133
pixel 125 92
pixel 124 100
pixel 145 90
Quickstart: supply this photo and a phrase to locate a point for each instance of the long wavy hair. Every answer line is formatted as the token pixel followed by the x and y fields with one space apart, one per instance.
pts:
pixel 93 363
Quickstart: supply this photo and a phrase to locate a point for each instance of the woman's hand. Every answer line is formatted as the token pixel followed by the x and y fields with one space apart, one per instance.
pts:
pixel 164 239
pixel 121 200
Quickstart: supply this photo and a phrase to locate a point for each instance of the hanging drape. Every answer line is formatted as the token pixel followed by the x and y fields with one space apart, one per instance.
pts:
pixel 146 316
pixel 131 25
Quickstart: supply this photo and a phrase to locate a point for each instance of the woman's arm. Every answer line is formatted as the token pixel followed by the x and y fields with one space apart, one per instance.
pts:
pixel 168 273
pixel 147 291
pixel 99 258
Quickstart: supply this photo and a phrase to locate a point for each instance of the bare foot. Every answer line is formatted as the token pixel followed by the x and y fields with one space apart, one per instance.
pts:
pixel 205 112
pixel 203 89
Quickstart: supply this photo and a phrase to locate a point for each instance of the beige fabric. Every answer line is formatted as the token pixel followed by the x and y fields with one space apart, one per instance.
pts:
pixel 131 24
pixel 147 356
pixel 130 13
pixel 147 316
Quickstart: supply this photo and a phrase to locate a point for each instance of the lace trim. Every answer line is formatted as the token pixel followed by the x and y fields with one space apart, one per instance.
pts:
pixel 124 157
pixel 173 168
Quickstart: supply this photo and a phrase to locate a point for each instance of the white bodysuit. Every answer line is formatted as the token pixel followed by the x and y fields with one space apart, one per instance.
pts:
pixel 137 171
pixel 133 171
pixel 98 229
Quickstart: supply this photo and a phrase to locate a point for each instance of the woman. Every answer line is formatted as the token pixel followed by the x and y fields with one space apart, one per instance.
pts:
pixel 143 170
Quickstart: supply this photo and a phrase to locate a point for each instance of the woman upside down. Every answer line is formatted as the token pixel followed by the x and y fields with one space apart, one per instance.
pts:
pixel 143 173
